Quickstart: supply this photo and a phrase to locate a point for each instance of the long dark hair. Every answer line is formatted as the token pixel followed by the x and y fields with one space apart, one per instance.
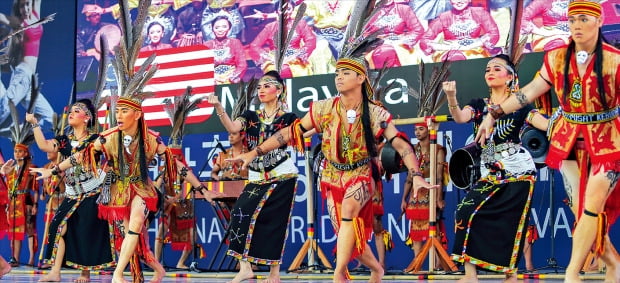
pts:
pixel 598 68
pixel 368 136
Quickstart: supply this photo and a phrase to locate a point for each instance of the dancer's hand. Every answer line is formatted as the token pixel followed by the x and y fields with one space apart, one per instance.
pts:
pixel 419 183
pixel 45 173
pixel 30 118
pixel 7 167
pixel 449 87
pixel 246 158
pixel 485 129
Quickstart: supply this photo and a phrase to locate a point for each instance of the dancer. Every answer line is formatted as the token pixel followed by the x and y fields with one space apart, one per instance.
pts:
pixel 260 217
pixel 417 208
pixel 585 75
pixel 491 220
pixel 23 193
pixel 76 236
pixel 178 213
pixel 350 123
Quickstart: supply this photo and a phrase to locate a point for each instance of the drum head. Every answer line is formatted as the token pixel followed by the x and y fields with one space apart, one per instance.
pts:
pixel 464 166
pixel 535 141
pixel 391 161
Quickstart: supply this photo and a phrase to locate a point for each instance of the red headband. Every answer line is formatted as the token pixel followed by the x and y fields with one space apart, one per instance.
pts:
pixel 590 8
pixel 22 147
pixel 421 125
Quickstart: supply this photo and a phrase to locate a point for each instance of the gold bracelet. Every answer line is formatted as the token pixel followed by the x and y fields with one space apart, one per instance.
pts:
pixel 450 107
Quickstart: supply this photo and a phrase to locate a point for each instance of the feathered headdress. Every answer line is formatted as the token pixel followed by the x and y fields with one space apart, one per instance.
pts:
pixel 21 134
pixel 130 82
pixel 430 95
pixel 357 42
pixel 177 111
pixel 283 36
pixel 378 90
pixel 244 96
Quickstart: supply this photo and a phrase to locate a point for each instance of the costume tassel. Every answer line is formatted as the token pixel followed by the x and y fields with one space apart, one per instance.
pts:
pixel 599 246
pixel 136 269
pixel 387 240
pixel 297 136
pixel 202 253
pixel 360 239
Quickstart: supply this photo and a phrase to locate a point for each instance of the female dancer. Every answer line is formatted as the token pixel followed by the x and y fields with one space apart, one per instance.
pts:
pixel 261 214
pixel 491 220
pixel 76 236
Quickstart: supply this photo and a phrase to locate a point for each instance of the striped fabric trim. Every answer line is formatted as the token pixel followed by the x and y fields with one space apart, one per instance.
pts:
pixel 584 8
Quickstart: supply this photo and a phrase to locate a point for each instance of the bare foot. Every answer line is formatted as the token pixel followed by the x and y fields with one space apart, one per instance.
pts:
pixel 6 268
pixel 375 276
pixel 182 266
pixel 159 273
pixel 340 278
pixel 612 273
pixel 84 277
pixel 271 279
pixel 50 277
pixel 118 279
pixel 242 275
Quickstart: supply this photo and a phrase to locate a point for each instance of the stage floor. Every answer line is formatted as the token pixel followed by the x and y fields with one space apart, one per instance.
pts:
pixel 29 274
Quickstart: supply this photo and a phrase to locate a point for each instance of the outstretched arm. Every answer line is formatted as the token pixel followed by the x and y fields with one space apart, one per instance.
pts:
pixel 406 152
pixel 280 138
pixel 65 164
pixel 44 145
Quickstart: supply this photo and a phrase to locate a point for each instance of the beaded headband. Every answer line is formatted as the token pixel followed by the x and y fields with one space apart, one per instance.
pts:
pixel 502 63
pixel 84 108
pixel 590 8
pixel 358 67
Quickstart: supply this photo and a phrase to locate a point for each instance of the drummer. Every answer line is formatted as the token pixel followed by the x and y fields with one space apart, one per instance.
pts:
pixel 230 170
pixel 500 200
pixel 417 207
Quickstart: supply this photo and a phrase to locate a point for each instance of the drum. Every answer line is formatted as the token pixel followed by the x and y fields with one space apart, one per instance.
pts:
pixel 391 161
pixel 464 166
pixel 535 141
pixel 112 35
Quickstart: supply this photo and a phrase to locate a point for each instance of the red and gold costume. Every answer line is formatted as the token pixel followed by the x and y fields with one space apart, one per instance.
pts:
pixel 602 138
pixel 583 115
pixel 122 191
pixel 55 189
pixel 344 147
pixel 418 207
pixel 21 199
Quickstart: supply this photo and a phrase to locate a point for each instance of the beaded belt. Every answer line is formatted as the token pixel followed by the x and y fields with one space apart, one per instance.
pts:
pixel 496 152
pixel 592 117
pixel 350 166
